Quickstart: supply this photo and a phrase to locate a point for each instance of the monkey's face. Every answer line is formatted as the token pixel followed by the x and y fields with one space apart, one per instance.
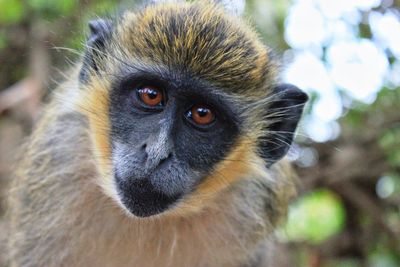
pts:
pixel 167 133
pixel 185 91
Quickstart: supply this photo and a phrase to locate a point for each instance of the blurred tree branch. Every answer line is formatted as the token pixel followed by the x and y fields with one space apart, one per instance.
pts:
pixel 28 92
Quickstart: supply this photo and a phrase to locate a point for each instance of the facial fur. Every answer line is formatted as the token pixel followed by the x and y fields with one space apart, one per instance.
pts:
pixel 155 160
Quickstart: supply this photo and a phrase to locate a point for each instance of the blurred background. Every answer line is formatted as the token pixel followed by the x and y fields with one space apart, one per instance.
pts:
pixel 344 53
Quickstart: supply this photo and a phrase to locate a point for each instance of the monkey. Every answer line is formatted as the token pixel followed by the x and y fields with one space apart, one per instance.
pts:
pixel 164 146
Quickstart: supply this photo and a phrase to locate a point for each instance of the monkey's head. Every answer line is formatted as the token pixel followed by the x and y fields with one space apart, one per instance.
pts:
pixel 182 102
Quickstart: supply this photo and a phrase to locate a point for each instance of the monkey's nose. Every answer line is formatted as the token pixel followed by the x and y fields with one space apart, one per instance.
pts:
pixel 156 155
pixel 157 162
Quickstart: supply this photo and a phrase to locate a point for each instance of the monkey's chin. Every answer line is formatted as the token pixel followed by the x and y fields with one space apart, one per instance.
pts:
pixel 142 200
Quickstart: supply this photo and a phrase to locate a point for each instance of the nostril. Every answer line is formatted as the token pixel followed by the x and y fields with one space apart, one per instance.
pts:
pixel 162 161
pixel 143 153
pixel 144 146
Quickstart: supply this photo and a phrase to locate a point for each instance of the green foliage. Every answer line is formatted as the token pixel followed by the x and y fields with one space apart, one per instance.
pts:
pixel 386 102
pixel 315 217
pixel 343 263
pixel 268 17
pixel 3 40
pixel 383 259
pixel 390 142
pixel 11 11
pixel 50 9
pixel 103 7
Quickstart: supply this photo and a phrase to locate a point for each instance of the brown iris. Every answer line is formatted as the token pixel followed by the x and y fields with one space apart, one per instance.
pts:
pixel 201 115
pixel 151 96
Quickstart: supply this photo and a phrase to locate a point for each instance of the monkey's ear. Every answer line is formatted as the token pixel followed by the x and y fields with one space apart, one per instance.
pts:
pixel 100 31
pixel 284 112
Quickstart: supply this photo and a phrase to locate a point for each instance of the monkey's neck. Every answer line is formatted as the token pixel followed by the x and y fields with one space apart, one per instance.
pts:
pixel 221 235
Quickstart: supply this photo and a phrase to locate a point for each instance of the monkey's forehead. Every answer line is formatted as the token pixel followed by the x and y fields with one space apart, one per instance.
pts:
pixel 199 38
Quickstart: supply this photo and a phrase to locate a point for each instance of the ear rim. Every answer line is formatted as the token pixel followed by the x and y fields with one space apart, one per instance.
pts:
pixel 99 27
pixel 292 99
pixel 100 31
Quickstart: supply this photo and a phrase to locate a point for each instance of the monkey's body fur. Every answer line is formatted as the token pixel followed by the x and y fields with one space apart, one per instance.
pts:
pixel 62 202
pixel 61 217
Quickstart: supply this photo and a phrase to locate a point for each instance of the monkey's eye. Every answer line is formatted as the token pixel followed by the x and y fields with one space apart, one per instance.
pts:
pixel 200 115
pixel 150 96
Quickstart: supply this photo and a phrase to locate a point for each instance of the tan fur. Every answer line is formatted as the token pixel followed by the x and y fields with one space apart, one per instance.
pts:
pixel 84 227
pixel 64 210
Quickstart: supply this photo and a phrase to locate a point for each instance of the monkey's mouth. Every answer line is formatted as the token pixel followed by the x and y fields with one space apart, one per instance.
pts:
pixel 141 198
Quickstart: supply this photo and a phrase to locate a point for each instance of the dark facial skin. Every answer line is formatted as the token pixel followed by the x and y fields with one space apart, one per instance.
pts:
pixel 163 149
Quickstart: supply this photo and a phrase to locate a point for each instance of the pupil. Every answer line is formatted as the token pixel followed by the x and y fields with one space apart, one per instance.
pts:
pixel 202 112
pixel 152 94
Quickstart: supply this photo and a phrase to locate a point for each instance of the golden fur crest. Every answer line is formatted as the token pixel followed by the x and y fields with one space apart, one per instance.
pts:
pixel 199 39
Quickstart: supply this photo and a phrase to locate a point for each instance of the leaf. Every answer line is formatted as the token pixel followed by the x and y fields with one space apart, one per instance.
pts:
pixel 11 11
pixel 315 217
